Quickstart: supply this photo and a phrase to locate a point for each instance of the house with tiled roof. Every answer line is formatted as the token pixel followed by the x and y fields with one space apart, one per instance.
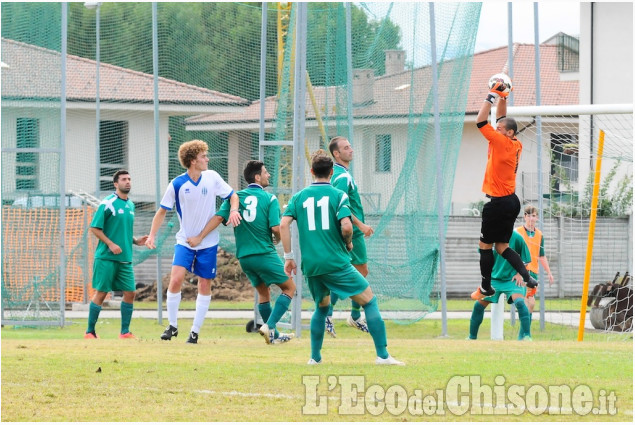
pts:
pixel 31 87
pixel 381 108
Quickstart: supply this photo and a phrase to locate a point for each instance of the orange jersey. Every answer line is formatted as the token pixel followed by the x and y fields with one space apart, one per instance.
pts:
pixel 533 242
pixel 503 155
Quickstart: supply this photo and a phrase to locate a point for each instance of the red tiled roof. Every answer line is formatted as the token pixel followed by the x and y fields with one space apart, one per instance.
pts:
pixel 391 102
pixel 35 72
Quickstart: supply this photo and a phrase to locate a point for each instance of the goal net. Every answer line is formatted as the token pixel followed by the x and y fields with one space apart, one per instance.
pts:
pixel 564 150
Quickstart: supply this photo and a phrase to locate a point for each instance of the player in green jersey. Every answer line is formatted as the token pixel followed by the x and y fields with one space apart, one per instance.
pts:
pixel 325 231
pixel 505 280
pixel 255 248
pixel 342 152
pixel 112 269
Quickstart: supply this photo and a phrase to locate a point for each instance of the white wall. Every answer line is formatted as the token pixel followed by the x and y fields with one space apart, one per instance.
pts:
pixel 612 45
pixel 80 150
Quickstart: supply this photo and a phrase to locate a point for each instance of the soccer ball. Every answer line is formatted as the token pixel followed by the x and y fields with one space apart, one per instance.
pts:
pixel 501 78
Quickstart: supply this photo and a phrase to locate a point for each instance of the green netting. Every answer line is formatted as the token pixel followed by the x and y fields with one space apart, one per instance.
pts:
pixel 209 68
pixel 392 128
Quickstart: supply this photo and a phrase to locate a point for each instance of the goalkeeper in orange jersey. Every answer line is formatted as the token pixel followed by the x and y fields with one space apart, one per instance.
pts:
pixel 499 185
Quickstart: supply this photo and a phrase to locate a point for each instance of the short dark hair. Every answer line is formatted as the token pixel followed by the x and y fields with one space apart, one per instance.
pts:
pixel 115 177
pixel 321 163
pixel 333 144
pixel 252 168
pixel 510 124
pixel 530 209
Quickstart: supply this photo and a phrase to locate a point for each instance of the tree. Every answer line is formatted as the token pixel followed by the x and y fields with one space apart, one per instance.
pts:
pixel 210 44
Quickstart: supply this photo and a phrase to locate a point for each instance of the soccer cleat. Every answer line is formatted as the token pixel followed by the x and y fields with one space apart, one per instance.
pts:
pixel 169 332
pixel 90 335
pixel 192 339
pixel 329 327
pixel 267 334
pixel 527 338
pixel 282 338
pixel 531 283
pixel 313 362
pixel 389 361
pixel 358 324
pixel 481 293
pixel 127 335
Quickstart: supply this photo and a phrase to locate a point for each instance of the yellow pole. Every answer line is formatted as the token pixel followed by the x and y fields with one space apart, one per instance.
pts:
pixel 589 250
pixel 318 116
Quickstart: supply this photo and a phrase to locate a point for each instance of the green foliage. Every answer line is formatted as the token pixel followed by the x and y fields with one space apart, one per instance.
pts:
pixel 612 201
pixel 18 23
pixel 215 45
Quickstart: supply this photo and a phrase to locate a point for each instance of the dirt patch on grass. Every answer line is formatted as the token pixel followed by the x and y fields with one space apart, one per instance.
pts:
pixel 230 284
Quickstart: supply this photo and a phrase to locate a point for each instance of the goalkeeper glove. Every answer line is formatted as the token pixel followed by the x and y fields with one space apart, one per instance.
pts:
pixel 492 97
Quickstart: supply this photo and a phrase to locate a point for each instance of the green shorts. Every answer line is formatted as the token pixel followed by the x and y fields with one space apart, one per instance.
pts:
pixel 358 254
pixel 507 288
pixel 113 276
pixel 343 283
pixel 264 268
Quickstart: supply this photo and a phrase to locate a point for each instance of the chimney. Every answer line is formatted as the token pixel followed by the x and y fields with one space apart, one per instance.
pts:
pixel 395 61
pixel 363 81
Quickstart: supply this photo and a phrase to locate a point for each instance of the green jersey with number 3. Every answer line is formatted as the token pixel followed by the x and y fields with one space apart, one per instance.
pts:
pixel 318 210
pixel 260 211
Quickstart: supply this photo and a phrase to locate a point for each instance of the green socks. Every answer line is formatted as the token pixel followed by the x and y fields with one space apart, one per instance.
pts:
pixel 126 317
pixel 265 312
pixel 477 318
pixel 355 310
pixel 318 321
pixel 281 306
pixel 93 316
pixel 376 327
pixel 524 318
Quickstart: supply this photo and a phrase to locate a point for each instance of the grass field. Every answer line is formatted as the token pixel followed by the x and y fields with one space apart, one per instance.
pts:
pixel 52 374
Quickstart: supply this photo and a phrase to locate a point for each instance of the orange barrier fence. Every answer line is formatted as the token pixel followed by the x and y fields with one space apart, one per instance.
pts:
pixel 31 256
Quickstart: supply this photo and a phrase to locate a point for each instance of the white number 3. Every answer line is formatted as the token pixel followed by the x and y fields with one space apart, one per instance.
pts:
pixel 249 213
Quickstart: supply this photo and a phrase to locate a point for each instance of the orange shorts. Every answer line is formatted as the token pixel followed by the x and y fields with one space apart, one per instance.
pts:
pixel 531 292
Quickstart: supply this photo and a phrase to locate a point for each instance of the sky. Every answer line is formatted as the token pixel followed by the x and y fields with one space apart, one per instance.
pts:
pixel 554 16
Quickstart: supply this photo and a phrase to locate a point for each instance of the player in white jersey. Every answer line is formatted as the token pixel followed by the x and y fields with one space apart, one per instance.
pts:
pixel 193 195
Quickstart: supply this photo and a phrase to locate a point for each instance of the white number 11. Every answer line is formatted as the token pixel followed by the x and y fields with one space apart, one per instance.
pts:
pixel 323 204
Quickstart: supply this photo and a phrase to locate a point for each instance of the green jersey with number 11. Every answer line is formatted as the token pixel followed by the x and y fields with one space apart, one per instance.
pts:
pixel 318 210
pixel 260 211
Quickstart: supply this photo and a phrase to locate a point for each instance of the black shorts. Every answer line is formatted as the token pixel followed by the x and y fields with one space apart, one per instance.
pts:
pixel 499 217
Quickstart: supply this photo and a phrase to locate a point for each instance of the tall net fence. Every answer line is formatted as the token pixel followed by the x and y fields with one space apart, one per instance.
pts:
pixel 378 93
pixel 382 101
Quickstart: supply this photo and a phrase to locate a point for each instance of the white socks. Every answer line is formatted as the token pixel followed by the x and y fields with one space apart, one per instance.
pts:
pixel 172 302
pixel 202 305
